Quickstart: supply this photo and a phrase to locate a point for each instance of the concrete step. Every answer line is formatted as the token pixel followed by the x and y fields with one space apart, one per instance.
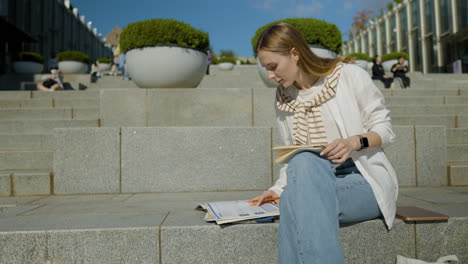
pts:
pixel 16 95
pixel 456 99
pixel 25 183
pixel 17 160
pixel 428 109
pixel 450 121
pixel 158 159
pixel 33 114
pixel 49 114
pixel 85 94
pixel 25 103
pixel 425 92
pixel 437 100
pixel 42 126
pixel 457 135
pixel 49 103
pixel 25 142
pixel 458 174
pixel 76 102
pixel 164 228
pixel 457 152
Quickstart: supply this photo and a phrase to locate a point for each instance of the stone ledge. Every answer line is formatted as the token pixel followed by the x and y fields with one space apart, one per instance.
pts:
pixel 105 226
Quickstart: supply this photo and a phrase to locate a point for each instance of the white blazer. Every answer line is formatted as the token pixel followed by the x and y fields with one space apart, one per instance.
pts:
pixel 357 108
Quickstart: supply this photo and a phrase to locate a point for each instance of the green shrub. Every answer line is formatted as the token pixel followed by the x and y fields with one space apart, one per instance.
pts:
pixel 162 32
pixel 315 31
pixel 104 60
pixel 227 59
pixel 359 56
pixel 30 56
pixel 394 56
pixel 73 56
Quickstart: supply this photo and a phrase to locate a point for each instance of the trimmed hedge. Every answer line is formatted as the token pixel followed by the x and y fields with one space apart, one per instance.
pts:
pixel 30 56
pixel 104 60
pixel 359 56
pixel 162 32
pixel 317 32
pixel 73 56
pixel 394 56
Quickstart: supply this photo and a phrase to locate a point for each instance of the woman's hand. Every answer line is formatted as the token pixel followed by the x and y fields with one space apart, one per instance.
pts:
pixel 265 195
pixel 339 150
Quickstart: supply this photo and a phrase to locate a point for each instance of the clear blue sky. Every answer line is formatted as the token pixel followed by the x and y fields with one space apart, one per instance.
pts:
pixel 230 24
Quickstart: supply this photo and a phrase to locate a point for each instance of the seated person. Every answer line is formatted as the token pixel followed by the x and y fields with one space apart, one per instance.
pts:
pixel 52 82
pixel 378 72
pixel 399 71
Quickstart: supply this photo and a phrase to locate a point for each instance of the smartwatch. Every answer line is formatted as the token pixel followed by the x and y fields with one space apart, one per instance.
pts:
pixel 364 142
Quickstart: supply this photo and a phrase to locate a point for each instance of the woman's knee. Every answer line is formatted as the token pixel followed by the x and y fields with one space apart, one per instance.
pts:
pixel 305 159
pixel 307 165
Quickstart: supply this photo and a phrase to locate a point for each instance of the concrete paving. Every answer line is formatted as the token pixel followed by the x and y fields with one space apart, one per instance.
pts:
pixel 74 227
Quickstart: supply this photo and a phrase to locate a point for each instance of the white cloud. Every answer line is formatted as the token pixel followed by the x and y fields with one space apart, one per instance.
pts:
pixel 265 4
pixel 291 7
pixel 373 4
pixel 348 5
pixel 313 8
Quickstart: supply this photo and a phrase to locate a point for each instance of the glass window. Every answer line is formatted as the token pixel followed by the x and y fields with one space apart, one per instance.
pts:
pixel 374 36
pixel 463 13
pixel 393 33
pixel 404 28
pixel 445 15
pixel 384 36
pixel 415 13
pixel 3 7
pixel 429 6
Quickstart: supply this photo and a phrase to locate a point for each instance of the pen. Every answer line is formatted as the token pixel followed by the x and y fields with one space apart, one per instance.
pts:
pixel 265 200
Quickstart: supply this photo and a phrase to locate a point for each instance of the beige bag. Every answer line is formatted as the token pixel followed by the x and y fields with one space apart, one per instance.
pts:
pixel 447 259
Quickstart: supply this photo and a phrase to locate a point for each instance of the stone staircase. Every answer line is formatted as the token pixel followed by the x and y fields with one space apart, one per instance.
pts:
pixel 112 174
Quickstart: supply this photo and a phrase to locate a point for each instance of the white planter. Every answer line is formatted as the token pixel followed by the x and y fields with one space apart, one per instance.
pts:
pixel 104 66
pixel 27 67
pixel 226 66
pixel 363 64
pixel 369 66
pixel 166 67
pixel 73 67
pixel 387 65
pixel 317 50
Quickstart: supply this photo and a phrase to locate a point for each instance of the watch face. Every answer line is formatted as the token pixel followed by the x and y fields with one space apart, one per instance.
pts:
pixel 364 142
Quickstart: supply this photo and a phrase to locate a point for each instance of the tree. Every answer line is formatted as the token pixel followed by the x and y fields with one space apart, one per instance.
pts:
pixel 360 21
pixel 390 6
pixel 227 53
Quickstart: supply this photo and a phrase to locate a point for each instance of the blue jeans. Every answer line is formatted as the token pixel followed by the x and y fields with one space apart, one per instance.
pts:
pixel 316 199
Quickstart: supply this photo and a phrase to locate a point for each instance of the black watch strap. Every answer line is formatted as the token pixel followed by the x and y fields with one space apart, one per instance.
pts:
pixel 364 142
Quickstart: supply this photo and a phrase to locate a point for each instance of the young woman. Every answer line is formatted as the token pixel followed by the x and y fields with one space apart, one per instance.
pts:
pixel 378 72
pixel 333 103
pixel 399 71
pixel 52 82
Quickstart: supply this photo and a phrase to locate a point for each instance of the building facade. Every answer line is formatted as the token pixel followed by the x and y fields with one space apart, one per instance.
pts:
pixel 434 33
pixel 46 27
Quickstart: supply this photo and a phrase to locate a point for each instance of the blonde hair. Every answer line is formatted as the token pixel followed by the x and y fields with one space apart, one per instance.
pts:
pixel 283 37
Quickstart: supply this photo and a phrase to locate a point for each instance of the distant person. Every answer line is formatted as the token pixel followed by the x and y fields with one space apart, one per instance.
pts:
pixel 51 83
pixel 208 53
pixel 52 63
pixel 95 72
pixel 399 71
pixel 378 72
pixel 113 70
